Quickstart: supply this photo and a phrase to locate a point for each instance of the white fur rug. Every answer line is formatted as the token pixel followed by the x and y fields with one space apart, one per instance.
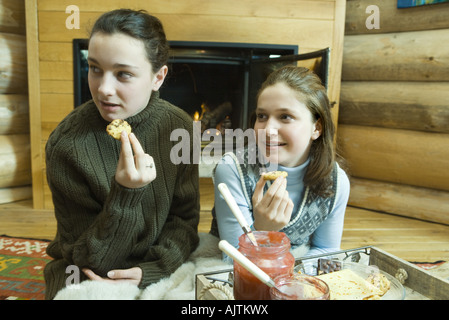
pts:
pixel 179 286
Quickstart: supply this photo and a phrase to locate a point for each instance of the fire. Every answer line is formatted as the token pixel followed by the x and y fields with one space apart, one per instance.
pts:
pixel 204 108
pixel 197 116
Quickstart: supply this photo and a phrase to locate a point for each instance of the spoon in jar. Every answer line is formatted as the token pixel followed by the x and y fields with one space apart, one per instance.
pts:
pixel 230 200
pixel 232 252
pixel 299 291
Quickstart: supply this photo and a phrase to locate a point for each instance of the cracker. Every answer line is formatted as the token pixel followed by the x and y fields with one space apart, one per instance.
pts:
pixel 380 281
pixel 115 128
pixel 273 175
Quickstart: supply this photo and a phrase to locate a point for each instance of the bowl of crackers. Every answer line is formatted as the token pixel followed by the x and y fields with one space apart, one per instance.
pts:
pixel 353 281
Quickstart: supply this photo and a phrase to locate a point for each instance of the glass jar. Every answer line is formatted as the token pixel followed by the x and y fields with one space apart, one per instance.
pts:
pixel 299 287
pixel 272 255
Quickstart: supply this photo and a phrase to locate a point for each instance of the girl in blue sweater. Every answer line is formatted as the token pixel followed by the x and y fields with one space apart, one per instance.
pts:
pixel 295 133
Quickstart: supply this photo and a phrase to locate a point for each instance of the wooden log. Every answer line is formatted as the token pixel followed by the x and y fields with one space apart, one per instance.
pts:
pixel 406 56
pixel 14 114
pixel 12 16
pixel 15 160
pixel 214 117
pixel 422 106
pixel 13 194
pixel 13 63
pixel 414 202
pixel 393 19
pixel 399 156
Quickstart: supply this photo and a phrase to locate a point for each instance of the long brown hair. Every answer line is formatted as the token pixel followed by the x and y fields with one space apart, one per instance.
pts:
pixel 312 93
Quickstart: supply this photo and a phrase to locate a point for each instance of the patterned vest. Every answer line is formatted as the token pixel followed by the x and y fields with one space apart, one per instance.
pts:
pixel 312 212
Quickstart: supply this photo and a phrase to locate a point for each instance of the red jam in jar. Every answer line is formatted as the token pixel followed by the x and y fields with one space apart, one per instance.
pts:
pixel 272 255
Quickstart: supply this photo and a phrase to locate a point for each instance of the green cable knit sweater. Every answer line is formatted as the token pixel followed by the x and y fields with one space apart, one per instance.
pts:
pixel 102 225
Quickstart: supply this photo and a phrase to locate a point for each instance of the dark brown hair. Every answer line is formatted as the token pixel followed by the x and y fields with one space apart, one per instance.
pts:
pixel 312 93
pixel 139 25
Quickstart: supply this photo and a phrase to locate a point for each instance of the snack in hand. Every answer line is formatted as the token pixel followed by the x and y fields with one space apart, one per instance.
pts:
pixel 116 127
pixel 273 175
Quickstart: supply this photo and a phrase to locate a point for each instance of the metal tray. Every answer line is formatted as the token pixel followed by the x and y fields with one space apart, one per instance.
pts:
pixel 417 282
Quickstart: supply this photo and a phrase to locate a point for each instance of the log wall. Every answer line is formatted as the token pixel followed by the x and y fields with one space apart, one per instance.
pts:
pixel 394 109
pixel 15 160
pixel 310 24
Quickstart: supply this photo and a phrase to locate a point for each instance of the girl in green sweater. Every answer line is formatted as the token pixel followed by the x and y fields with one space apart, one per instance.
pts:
pixel 124 211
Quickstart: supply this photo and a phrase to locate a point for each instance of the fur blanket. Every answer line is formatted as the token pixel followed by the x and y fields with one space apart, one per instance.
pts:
pixel 179 286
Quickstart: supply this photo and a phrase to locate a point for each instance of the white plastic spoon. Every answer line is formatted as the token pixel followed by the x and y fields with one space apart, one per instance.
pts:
pixel 232 252
pixel 230 200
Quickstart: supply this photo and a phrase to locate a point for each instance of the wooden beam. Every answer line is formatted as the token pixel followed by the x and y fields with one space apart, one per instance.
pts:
pixel 284 9
pixel 398 156
pixel 413 202
pixel 219 28
pixel 421 106
pixel 32 41
pixel 405 56
pixel 393 19
pixel 336 59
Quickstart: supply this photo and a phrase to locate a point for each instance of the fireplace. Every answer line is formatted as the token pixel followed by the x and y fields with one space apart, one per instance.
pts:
pixel 216 83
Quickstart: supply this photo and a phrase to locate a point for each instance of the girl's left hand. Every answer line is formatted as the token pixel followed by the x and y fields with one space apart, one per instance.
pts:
pixel 132 275
pixel 134 170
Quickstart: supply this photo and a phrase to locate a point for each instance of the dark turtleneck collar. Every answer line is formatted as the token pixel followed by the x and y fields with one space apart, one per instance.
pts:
pixel 147 112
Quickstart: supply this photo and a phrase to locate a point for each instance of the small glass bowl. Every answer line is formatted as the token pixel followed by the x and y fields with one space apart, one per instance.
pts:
pixel 299 287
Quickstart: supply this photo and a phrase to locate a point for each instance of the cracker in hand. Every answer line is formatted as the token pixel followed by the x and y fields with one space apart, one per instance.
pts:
pixel 115 128
pixel 273 175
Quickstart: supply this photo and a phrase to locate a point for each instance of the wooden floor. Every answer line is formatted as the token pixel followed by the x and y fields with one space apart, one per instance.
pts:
pixel 409 239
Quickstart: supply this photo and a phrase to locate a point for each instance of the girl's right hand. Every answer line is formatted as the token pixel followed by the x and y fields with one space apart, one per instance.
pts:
pixel 134 171
pixel 272 210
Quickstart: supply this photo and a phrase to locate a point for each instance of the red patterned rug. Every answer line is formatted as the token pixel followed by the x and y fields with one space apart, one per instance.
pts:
pixel 22 263
pixel 429 265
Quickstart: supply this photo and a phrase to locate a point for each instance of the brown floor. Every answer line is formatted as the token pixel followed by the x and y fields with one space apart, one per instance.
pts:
pixel 409 239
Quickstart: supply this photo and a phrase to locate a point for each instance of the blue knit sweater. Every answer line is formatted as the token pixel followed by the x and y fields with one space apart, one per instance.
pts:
pixel 315 222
